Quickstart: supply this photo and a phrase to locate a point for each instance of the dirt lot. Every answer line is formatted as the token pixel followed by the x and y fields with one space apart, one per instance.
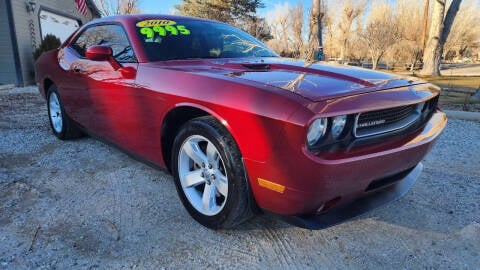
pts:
pixel 85 205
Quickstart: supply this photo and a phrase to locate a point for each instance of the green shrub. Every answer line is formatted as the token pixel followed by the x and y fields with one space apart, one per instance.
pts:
pixel 50 42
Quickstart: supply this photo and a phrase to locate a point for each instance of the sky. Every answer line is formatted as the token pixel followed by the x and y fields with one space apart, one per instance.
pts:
pixel 167 6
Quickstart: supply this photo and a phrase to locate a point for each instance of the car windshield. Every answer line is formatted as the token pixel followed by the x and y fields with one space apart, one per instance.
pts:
pixel 192 39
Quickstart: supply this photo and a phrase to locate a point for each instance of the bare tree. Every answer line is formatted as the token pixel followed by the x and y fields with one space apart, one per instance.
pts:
pixel 439 30
pixel 118 7
pixel 278 19
pixel 296 24
pixel 103 6
pixel 329 44
pixel 283 24
pixel 357 51
pixel 409 17
pixel 351 10
pixel 463 33
pixel 128 7
pixel 381 31
pixel 257 27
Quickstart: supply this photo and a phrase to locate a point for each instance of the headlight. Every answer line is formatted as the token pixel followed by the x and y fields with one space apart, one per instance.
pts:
pixel 338 124
pixel 316 130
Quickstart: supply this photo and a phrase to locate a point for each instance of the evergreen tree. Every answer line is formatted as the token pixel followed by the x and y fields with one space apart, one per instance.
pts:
pixel 241 13
pixel 50 42
pixel 228 11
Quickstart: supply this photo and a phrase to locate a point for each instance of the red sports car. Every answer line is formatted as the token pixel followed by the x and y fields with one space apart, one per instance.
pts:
pixel 241 129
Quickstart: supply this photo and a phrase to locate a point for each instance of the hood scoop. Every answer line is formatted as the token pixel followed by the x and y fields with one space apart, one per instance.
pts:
pixel 257 66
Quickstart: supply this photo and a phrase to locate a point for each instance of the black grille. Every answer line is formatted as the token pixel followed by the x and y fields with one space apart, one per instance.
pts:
pixel 384 117
pixel 375 122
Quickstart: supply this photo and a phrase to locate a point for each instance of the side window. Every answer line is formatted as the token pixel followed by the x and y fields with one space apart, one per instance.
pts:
pixel 85 40
pixel 108 35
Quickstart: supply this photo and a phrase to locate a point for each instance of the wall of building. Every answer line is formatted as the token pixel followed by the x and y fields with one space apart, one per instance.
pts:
pixel 27 27
pixel 8 73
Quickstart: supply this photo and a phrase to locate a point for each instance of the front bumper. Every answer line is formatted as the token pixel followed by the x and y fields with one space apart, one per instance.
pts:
pixel 317 183
pixel 357 207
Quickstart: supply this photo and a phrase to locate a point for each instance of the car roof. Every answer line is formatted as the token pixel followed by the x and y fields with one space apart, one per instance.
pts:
pixel 129 19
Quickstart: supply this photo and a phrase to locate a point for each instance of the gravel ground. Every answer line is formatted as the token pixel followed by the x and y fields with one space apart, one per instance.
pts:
pixel 85 205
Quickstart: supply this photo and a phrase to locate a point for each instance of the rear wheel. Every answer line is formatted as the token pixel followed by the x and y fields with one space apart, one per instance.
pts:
pixel 209 174
pixel 62 126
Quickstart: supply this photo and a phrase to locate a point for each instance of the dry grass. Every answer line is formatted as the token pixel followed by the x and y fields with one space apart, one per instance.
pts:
pixel 452 85
pixel 454 90
pixel 470 84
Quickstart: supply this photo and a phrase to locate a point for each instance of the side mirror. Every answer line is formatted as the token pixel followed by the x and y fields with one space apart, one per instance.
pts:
pixel 99 53
pixel 102 53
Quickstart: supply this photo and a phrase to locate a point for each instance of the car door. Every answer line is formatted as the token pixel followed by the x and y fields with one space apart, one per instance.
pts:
pixel 73 83
pixel 106 100
pixel 111 92
pixel 83 77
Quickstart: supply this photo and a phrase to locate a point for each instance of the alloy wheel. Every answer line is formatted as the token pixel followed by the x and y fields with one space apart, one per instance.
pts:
pixel 203 175
pixel 55 112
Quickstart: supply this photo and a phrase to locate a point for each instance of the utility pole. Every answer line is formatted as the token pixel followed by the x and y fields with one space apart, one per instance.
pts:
pixel 425 24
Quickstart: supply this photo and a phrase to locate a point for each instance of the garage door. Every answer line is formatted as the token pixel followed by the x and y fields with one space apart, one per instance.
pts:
pixel 58 25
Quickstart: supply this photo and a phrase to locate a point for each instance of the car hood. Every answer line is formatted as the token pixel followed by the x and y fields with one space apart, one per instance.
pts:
pixel 314 81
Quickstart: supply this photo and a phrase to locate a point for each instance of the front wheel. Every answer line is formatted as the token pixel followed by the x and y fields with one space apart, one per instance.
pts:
pixel 209 174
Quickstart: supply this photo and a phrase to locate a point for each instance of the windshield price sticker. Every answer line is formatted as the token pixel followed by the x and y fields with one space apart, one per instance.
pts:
pixel 162 28
pixel 152 23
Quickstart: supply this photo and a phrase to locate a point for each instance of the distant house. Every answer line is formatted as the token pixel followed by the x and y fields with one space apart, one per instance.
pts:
pixel 23 24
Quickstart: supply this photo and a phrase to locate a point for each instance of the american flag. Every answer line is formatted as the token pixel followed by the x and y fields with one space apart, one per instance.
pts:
pixel 82 6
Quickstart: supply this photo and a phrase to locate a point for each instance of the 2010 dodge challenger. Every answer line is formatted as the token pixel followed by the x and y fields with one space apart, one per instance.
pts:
pixel 241 129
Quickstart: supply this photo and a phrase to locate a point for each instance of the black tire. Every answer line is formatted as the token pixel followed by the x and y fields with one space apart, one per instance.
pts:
pixel 239 205
pixel 68 129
